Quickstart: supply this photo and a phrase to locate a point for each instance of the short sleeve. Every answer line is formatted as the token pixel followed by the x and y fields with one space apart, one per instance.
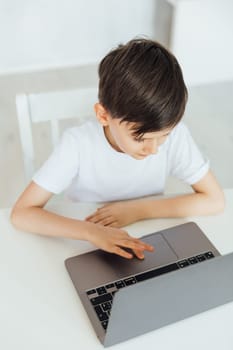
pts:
pixel 62 166
pixel 184 158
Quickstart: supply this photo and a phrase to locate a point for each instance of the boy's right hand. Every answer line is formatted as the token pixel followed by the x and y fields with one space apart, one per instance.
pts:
pixel 114 240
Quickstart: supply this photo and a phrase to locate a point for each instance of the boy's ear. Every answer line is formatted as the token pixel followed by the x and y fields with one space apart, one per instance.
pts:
pixel 101 114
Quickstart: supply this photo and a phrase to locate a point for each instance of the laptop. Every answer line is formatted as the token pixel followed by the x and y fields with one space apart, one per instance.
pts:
pixel 184 276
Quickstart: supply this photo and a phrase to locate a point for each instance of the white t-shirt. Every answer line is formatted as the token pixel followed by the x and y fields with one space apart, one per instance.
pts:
pixel 88 169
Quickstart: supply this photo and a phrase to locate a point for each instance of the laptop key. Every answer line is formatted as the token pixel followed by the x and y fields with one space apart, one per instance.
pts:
pixel 130 280
pixel 209 255
pixel 101 290
pixel 106 306
pixel 101 314
pixel 193 260
pixel 201 257
pixel 111 288
pixel 105 324
pixel 183 263
pixel 101 299
pixel 90 292
pixel 119 284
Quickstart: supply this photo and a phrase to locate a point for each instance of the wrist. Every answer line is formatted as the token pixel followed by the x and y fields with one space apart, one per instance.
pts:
pixel 80 229
pixel 140 209
pixel 144 210
pixel 88 228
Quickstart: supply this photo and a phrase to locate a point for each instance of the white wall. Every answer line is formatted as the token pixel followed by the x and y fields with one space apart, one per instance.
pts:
pixel 38 34
pixel 202 39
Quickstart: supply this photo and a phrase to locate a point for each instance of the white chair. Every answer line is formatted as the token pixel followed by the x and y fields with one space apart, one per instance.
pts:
pixel 50 106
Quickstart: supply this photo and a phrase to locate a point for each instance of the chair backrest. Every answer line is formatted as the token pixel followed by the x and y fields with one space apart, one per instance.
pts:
pixel 50 106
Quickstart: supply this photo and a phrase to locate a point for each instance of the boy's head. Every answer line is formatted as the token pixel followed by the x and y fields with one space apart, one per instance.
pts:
pixel 141 86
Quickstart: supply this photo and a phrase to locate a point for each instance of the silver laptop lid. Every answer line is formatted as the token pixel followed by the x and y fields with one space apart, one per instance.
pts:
pixel 168 298
pixel 96 268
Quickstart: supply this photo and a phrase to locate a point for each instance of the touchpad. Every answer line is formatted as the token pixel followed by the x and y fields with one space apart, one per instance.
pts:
pixel 162 255
pixel 99 267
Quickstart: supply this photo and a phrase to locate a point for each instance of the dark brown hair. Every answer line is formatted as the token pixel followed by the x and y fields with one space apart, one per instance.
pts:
pixel 141 82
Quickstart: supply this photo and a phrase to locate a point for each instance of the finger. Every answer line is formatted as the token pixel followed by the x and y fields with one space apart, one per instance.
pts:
pixel 88 219
pixel 100 216
pixel 107 221
pixel 113 224
pixel 93 219
pixel 97 218
pixel 141 246
pixel 96 213
pixel 119 251
pixel 149 247
pixel 128 243
pixel 102 210
pixel 90 216
pixel 138 254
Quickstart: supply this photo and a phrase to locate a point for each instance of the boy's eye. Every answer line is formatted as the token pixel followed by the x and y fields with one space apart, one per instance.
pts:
pixel 138 140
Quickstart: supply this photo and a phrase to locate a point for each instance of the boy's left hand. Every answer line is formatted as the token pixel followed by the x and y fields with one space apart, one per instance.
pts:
pixel 116 214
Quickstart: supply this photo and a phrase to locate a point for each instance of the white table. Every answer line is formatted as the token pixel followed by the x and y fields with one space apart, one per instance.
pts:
pixel 39 308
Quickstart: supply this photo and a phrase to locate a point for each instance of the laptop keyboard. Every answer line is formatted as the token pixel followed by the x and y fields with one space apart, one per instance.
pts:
pixel 102 296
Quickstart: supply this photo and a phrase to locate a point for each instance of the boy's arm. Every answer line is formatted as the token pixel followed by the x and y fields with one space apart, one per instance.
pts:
pixel 29 215
pixel 208 199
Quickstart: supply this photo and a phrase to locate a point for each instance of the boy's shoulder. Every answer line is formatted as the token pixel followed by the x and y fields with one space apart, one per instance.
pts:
pixel 179 137
pixel 85 131
pixel 179 132
pixel 180 128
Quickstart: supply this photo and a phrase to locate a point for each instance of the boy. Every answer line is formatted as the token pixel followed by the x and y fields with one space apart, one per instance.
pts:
pixel 127 153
